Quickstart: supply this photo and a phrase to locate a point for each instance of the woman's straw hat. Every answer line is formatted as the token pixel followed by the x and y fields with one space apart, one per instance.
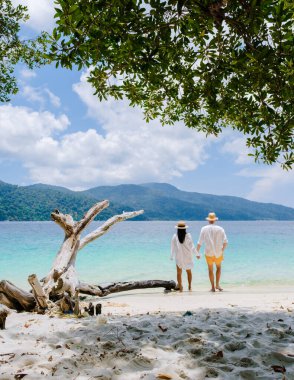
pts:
pixel 211 217
pixel 181 225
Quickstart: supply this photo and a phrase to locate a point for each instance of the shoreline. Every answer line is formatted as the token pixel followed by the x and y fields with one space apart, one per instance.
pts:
pixel 235 334
pixel 154 300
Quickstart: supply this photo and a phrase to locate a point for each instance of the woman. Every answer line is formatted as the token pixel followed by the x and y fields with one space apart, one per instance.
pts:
pixel 182 249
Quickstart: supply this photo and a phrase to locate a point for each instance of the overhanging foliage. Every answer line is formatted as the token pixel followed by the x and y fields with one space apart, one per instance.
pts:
pixel 13 49
pixel 209 63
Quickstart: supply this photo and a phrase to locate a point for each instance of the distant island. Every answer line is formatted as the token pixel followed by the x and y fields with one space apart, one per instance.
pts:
pixel 160 201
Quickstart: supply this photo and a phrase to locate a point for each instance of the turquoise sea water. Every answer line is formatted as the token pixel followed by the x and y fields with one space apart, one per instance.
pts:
pixel 259 253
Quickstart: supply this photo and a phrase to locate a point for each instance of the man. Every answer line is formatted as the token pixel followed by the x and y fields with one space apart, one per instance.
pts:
pixel 215 240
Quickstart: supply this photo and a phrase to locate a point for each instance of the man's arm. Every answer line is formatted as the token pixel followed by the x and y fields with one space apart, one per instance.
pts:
pixel 200 242
pixel 225 244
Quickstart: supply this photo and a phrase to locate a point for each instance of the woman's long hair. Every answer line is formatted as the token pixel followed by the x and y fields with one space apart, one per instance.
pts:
pixel 181 235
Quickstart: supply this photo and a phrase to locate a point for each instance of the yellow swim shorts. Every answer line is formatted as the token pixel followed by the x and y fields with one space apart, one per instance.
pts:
pixel 214 260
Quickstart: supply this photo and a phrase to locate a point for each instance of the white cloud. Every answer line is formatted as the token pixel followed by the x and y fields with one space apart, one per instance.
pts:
pixel 27 74
pixel 54 99
pixel 237 147
pixel 21 129
pixel 273 185
pixel 126 150
pixel 270 183
pixel 40 95
pixel 33 95
pixel 41 14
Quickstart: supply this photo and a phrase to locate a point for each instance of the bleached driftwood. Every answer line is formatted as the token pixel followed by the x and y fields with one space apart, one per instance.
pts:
pixel 38 292
pixel 63 276
pixel 20 299
pixel 116 287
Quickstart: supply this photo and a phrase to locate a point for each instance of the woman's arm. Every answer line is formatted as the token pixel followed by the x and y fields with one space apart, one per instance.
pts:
pixel 192 246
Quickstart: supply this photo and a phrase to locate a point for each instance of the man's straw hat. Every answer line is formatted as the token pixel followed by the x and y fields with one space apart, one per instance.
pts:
pixel 211 217
pixel 181 225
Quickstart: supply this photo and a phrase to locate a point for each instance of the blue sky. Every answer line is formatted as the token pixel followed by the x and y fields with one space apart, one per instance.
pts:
pixel 55 131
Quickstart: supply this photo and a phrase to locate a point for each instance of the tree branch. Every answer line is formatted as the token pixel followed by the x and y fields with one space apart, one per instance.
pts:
pixel 65 221
pixel 90 215
pixel 105 226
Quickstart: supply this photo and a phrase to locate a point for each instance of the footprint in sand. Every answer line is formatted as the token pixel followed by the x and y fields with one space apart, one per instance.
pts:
pixel 235 346
pixel 281 358
pixel 141 363
pixel 196 352
pixel 276 333
pixel 245 362
pixel 211 373
pixel 248 374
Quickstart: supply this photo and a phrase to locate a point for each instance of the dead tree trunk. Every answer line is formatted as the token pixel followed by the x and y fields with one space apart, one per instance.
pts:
pixel 63 276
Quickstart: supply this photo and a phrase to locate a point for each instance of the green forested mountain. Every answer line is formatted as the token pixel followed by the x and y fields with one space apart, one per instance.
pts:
pixel 160 202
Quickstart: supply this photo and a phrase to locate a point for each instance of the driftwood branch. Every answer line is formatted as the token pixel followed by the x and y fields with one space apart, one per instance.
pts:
pixel 38 291
pixel 65 221
pixel 90 215
pixel 89 289
pixel 106 226
pixel 102 291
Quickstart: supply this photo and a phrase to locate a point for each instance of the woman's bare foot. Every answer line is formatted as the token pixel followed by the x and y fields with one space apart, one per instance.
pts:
pixel 219 288
pixel 179 288
pixel 212 290
pixel 190 289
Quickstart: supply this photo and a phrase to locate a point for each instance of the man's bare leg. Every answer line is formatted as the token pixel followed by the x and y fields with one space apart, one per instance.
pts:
pixel 189 275
pixel 218 276
pixel 211 276
pixel 179 278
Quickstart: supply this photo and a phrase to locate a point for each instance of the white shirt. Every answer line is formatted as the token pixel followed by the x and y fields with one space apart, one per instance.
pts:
pixel 214 238
pixel 183 252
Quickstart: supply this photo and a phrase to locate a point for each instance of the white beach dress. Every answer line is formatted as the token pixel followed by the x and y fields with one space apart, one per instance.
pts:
pixel 183 253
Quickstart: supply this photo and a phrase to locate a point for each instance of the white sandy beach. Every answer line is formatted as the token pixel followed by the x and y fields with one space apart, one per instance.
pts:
pixel 237 334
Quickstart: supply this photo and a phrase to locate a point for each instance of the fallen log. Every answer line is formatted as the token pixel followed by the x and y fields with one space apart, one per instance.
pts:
pixel 102 291
pixel 20 299
pixel 134 285
pixel 6 301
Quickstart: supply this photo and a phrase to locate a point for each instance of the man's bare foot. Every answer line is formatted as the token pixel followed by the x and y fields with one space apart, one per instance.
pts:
pixel 219 288
pixel 212 290
pixel 190 289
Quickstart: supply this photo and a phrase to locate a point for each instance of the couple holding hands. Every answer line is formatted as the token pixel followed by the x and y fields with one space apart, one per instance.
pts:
pixel 182 250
